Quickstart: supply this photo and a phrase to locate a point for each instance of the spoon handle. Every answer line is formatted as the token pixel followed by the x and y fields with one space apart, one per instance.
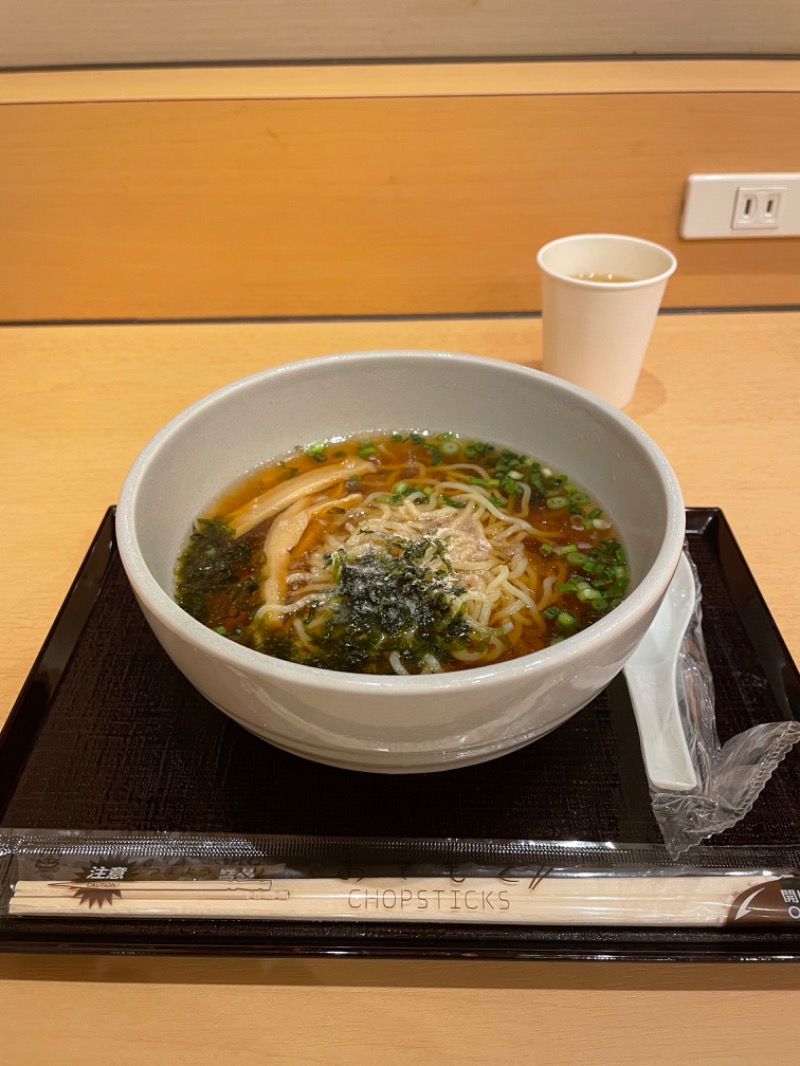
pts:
pixel 653 691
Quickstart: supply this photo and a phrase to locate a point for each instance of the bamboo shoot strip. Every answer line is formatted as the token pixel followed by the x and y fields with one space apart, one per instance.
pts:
pixel 705 899
pixel 287 492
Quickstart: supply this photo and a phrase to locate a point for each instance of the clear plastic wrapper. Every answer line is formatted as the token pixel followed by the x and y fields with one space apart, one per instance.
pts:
pixel 174 876
pixel 728 778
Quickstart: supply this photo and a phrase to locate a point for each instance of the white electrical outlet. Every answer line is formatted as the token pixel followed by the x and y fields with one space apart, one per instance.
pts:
pixel 741 205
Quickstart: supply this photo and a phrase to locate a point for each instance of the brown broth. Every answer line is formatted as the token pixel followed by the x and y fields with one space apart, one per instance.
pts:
pixel 221 579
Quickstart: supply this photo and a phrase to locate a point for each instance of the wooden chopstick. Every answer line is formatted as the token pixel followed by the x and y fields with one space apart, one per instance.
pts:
pixel 689 900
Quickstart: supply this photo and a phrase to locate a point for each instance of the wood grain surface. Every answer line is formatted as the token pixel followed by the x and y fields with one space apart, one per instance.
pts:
pixel 718 394
pixel 144 195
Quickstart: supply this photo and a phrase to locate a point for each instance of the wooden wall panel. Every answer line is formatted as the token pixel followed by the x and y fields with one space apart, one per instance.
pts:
pixel 430 204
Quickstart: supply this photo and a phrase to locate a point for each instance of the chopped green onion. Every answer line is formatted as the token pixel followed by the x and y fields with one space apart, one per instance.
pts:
pixel 576 558
pixel 450 447
pixel 477 447
pixel 366 450
pixel 510 486
pixel 317 451
pixel 557 503
pixel 586 595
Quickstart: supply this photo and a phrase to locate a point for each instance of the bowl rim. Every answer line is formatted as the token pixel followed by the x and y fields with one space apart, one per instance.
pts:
pixel 157 602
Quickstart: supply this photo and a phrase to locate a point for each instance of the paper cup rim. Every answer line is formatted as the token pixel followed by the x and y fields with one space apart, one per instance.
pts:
pixel 615 286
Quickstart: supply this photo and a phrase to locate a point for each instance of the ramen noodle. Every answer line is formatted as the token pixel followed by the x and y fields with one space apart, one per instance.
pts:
pixel 402 553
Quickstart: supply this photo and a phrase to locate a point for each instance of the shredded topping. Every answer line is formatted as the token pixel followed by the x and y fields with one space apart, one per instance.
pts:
pixel 409 554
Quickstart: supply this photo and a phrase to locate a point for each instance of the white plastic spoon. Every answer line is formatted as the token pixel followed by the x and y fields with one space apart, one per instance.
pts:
pixel 651 675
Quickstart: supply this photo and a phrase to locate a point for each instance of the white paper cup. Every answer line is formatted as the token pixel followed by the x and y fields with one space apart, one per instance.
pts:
pixel 596 332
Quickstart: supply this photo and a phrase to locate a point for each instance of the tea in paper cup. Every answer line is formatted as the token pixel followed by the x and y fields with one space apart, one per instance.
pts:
pixel 601 293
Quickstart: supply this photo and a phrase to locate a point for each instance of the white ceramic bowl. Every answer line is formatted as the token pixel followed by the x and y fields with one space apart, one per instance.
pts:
pixel 399 724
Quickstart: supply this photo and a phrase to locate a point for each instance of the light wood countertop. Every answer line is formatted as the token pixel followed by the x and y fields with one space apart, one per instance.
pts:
pixel 719 394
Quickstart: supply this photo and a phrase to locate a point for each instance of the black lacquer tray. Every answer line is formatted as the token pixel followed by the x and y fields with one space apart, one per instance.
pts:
pixel 107 735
